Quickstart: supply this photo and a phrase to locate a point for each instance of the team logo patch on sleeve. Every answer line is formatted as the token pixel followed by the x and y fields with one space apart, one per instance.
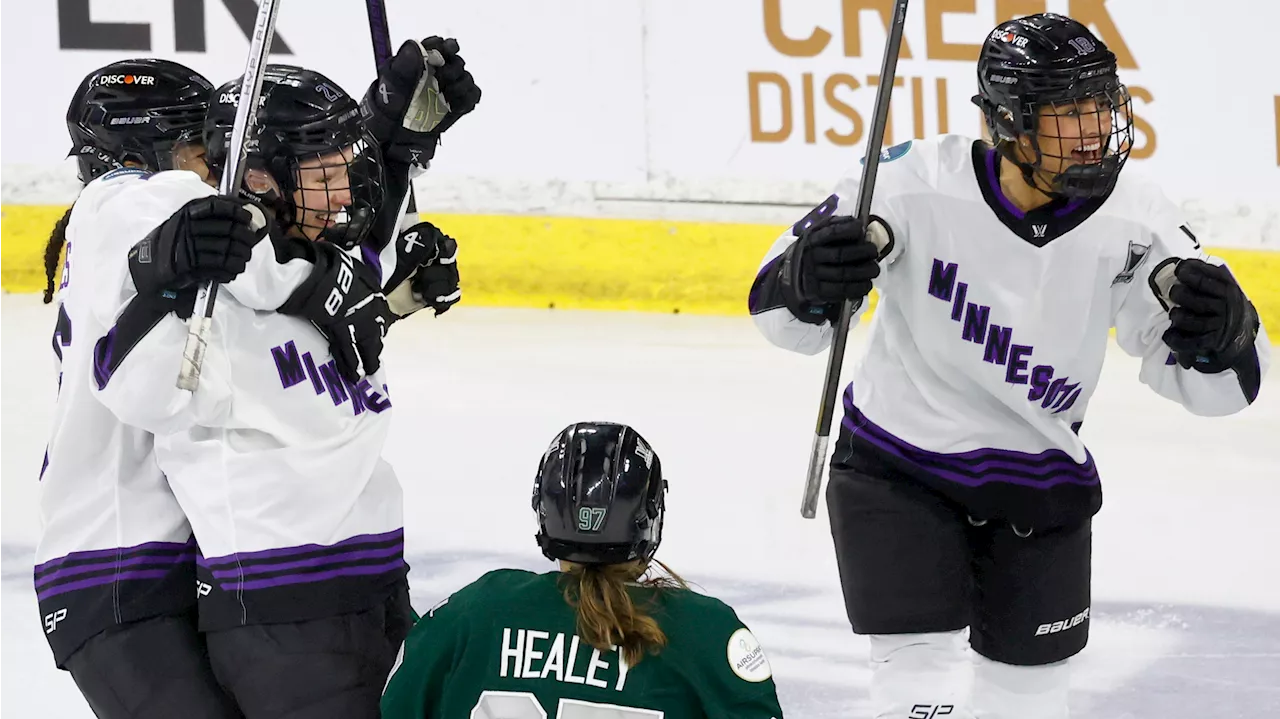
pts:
pixel 746 657
pixel 889 154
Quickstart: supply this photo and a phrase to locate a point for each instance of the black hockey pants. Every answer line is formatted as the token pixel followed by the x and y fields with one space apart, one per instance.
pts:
pixel 317 669
pixel 154 668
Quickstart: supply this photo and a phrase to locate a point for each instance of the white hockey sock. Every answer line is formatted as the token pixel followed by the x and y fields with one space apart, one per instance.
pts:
pixel 920 676
pixel 1005 691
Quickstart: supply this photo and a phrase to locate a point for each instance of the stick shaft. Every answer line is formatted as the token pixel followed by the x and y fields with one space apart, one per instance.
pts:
pixel 264 29
pixel 840 335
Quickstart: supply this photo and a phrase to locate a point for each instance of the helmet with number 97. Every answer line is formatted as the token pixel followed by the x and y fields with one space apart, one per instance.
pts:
pixel 1054 104
pixel 599 496
pixel 312 162
pixel 144 112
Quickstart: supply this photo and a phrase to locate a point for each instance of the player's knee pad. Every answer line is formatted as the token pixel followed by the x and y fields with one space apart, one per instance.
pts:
pixel 1007 691
pixel 920 676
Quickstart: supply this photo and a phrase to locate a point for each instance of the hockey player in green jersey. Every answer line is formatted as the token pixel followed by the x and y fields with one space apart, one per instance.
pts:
pixel 607 636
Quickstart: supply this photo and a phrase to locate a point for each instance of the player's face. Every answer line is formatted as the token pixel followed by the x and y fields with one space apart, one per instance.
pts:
pixel 324 189
pixel 191 157
pixel 1074 133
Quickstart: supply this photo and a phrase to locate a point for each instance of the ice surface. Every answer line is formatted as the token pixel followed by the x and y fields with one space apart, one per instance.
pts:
pixel 1186 579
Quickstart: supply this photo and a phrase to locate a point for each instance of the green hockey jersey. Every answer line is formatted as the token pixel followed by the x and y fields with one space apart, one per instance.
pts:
pixel 505 647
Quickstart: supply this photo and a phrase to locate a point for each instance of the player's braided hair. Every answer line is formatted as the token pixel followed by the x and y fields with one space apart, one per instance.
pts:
pixel 53 253
pixel 607 614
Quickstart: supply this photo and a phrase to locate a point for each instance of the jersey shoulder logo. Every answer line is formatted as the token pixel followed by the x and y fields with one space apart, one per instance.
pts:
pixel 1137 255
pixel 746 657
pixel 889 154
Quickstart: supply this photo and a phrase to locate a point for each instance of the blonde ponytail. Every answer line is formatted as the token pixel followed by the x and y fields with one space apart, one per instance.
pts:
pixel 607 615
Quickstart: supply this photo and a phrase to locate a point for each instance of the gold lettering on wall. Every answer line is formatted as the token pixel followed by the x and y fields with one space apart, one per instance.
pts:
pixel 898 81
pixel 854 136
pixel 1007 10
pixel 758 133
pixel 938 48
pixel 1093 14
pixel 808 47
pixel 853 25
pixel 1148 148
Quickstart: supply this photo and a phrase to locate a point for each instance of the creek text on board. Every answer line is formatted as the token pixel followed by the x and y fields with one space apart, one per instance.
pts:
pixel 790 107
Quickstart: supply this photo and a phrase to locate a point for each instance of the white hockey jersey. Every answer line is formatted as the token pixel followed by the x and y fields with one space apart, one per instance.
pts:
pixel 115 546
pixel 992 327
pixel 275 459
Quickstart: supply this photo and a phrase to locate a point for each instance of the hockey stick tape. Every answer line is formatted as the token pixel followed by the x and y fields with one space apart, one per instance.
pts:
pixel 258 217
pixel 1163 280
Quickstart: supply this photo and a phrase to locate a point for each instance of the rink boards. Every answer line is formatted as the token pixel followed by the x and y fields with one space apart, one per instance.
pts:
pixel 594 262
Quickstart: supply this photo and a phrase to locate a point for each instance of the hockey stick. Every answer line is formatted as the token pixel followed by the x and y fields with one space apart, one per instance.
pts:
pixel 835 360
pixel 264 29
pixel 380 32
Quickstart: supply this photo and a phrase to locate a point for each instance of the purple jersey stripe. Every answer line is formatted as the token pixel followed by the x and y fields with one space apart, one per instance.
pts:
pixel 98 581
pixel 371 260
pixel 188 556
pixel 102 352
pixel 1046 461
pixel 117 552
pixel 241 557
pixel 1069 208
pixel 982 460
pixel 937 464
pixel 992 154
pixel 363 570
pixel 326 560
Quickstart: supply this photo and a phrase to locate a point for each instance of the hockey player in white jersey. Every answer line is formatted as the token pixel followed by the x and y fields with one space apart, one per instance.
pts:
pixel 276 458
pixel 960 493
pixel 115 567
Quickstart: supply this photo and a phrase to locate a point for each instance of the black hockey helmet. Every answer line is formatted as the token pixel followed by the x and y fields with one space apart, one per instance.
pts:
pixel 1049 61
pixel 135 111
pixel 599 496
pixel 312 142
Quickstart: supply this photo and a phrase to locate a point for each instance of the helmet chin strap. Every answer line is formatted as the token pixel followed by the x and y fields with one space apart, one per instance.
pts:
pixel 349 233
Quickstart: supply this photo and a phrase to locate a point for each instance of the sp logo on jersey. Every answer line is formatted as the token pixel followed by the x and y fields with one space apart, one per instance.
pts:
pixel 52 618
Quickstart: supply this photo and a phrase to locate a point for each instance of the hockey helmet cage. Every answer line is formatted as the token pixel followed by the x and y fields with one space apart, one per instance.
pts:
pixel 1050 61
pixel 304 116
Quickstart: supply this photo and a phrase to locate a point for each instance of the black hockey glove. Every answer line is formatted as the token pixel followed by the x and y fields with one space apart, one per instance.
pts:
pixel 342 299
pixel 456 83
pixel 1213 323
pixel 419 94
pixel 210 238
pixel 426 272
pixel 832 262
